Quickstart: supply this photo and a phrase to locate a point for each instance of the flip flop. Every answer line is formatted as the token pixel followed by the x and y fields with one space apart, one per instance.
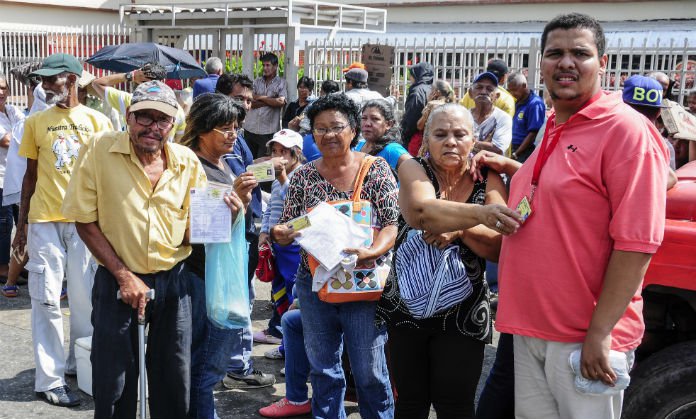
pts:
pixel 10 291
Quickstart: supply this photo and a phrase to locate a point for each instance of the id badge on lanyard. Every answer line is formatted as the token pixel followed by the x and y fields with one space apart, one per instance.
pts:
pixel 548 144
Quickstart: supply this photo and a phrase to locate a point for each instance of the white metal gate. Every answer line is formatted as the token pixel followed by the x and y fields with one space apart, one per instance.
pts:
pixel 30 45
pixel 460 63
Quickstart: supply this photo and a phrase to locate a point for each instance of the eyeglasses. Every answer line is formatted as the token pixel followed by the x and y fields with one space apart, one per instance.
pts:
pixel 334 130
pixel 146 121
pixel 227 134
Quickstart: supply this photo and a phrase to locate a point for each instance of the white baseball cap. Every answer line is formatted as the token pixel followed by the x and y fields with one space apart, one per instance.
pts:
pixel 287 138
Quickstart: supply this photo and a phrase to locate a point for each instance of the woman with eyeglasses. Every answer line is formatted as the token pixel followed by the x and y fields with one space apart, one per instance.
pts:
pixel 329 328
pixel 211 131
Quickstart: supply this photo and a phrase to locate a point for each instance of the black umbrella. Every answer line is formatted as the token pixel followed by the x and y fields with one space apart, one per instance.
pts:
pixel 128 57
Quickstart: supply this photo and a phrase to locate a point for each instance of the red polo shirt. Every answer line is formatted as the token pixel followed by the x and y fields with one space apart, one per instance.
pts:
pixel 603 188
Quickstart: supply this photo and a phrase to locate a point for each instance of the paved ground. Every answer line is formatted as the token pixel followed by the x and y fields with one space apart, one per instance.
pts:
pixel 17 398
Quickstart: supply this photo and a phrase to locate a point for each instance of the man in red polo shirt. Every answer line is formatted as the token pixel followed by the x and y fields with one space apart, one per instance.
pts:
pixel 596 188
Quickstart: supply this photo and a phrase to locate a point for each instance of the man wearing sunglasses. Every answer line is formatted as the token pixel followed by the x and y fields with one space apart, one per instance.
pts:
pixel 130 201
pixel 51 143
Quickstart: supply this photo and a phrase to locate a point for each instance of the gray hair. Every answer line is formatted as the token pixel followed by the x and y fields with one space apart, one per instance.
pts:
pixel 444 90
pixel 213 65
pixel 517 79
pixel 3 77
pixel 659 76
pixel 448 108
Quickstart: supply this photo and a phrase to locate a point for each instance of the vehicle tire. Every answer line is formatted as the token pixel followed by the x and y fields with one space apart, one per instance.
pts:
pixel 664 385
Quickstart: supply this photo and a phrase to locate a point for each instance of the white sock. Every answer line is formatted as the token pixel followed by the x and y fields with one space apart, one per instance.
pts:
pixel 297 403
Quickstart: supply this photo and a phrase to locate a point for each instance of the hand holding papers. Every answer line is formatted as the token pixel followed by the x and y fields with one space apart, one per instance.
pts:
pixel 328 233
pixel 211 220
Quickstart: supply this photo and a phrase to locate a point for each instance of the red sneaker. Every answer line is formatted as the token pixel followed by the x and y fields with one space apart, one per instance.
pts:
pixel 284 409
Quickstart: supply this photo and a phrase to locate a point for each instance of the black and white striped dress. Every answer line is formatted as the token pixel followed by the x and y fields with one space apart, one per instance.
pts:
pixel 471 317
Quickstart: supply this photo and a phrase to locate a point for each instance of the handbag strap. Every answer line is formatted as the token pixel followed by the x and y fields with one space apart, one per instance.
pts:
pixel 365 165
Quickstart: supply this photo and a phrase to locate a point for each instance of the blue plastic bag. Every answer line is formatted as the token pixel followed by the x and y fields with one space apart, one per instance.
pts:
pixel 226 281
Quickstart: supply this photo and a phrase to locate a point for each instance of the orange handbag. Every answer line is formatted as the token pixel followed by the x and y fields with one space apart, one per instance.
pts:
pixel 365 282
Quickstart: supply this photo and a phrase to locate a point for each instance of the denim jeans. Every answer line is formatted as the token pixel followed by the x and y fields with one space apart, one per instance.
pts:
pixel 210 348
pixel 296 362
pixel 492 276
pixel 327 327
pixel 497 399
pixel 115 347
pixel 6 223
pixel 240 361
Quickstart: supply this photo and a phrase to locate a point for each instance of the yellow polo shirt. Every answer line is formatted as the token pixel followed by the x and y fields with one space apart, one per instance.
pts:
pixel 144 225
pixel 505 101
pixel 54 137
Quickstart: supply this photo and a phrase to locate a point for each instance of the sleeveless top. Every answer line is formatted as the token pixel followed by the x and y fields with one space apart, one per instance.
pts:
pixel 471 317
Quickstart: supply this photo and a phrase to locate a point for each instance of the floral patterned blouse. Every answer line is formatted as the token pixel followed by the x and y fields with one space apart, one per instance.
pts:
pixel 308 188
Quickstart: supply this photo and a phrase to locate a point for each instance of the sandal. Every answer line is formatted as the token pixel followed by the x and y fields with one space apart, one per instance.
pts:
pixel 10 291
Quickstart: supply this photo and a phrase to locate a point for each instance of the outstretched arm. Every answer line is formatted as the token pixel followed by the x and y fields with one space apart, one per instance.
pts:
pixel 423 210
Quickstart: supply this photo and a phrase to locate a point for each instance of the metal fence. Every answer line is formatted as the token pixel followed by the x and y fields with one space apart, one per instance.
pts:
pixel 455 62
pixel 30 45
pixel 459 63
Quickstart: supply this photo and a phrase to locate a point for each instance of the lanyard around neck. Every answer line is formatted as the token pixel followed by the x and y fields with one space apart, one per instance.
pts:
pixel 549 143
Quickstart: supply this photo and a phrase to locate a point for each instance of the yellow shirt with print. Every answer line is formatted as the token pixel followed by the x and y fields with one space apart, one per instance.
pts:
pixel 144 225
pixel 121 100
pixel 54 137
pixel 505 101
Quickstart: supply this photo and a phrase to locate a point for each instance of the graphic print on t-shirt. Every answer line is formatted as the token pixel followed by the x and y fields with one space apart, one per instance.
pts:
pixel 66 149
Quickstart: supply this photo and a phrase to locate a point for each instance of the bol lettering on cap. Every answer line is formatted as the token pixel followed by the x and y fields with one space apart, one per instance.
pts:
pixel 642 90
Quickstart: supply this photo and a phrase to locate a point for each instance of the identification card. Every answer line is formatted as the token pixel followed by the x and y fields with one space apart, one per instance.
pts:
pixel 263 172
pixel 299 223
pixel 524 208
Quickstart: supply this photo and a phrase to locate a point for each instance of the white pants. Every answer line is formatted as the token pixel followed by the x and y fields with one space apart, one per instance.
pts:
pixel 544 387
pixel 56 252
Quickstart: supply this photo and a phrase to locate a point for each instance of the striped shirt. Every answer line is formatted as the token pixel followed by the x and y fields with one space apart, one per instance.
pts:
pixel 275 206
pixel 266 119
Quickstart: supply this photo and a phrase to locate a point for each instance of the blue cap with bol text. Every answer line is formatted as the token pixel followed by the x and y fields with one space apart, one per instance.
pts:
pixel 644 91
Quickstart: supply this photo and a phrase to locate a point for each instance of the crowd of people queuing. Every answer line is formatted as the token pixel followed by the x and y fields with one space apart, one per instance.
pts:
pixel 454 191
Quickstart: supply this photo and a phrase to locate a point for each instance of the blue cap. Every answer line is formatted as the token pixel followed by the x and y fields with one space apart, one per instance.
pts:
pixel 487 75
pixel 644 91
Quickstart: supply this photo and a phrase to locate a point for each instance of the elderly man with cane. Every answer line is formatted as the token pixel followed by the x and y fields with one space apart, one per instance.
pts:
pixel 130 199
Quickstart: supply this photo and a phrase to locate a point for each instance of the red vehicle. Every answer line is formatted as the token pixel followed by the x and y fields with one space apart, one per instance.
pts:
pixel 663 383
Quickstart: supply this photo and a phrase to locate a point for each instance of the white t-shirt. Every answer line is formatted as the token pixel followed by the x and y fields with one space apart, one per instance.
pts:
pixel 499 126
pixel 9 119
pixel 16 164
